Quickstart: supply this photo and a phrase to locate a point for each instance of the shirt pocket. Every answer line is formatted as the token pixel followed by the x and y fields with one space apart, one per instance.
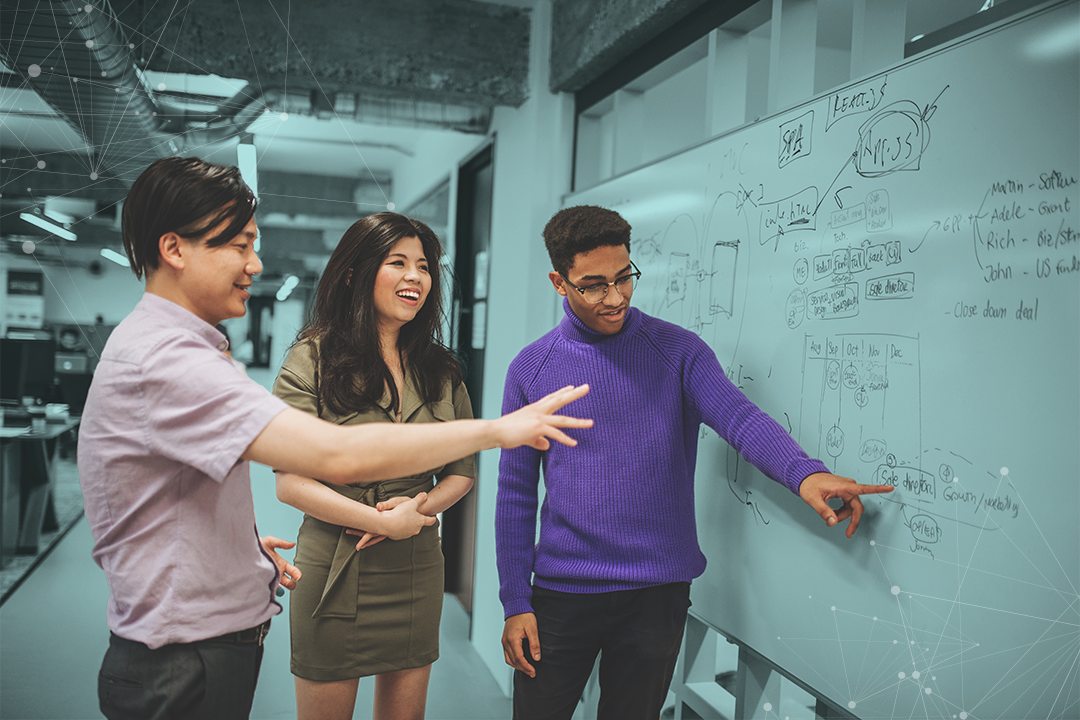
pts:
pixel 443 411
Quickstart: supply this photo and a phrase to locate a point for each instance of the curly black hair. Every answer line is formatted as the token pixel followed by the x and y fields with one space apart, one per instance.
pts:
pixel 581 229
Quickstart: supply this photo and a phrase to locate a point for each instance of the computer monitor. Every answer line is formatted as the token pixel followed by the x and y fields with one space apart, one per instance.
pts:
pixel 27 368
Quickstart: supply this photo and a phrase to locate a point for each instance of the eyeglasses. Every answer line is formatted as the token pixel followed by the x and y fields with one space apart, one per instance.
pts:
pixel 598 291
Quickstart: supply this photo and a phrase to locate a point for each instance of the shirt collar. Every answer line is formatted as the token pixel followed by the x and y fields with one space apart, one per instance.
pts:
pixel 574 329
pixel 183 319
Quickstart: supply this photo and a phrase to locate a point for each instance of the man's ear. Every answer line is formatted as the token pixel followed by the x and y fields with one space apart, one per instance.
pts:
pixel 171 248
pixel 558 281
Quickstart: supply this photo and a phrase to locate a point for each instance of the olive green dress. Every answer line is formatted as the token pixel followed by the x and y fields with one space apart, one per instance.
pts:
pixel 358 613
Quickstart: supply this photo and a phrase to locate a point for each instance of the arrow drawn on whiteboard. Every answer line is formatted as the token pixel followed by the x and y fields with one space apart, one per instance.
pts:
pixel 937 224
pixel 836 196
pixel 826 193
pixel 929 110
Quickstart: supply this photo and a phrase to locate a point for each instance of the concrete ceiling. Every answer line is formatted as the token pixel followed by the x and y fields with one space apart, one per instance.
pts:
pixel 334 95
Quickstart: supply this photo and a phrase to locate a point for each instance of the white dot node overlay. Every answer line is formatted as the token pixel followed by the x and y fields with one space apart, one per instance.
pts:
pixel 89 43
pixel 41 164
pixel 28 247
pixel 161 86
pixel 767 707
pixel 390 206
pixel 1004 471
pixel 33 70
pixel 284 116
pixel 963 715
pixel 851 704
pixel 87 8
pixel 928 691
pixel 916 673
pixel 93 176
pixel 901 675
pixel 895 589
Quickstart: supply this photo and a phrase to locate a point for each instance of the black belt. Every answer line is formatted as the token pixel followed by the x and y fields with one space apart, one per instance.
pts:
pixel 254 635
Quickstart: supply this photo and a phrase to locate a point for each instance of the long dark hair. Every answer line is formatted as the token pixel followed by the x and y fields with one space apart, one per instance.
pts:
pixel 352 372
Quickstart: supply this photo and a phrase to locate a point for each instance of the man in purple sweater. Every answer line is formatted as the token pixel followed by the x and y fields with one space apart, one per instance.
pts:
pixel 618 543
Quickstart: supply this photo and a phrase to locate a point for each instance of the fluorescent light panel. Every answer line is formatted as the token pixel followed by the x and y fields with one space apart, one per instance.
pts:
pixel 110 254
pixel 287 287
pixel 48 226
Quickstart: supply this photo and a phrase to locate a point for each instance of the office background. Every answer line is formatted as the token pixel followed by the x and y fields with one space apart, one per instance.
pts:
pixel 480 118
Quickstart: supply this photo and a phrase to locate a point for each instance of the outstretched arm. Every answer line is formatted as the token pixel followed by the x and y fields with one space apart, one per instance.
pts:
pixel 818 488
pixel 299 443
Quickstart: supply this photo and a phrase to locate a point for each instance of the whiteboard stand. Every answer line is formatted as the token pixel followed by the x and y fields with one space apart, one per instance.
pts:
pixel 755 685
pixel 761 690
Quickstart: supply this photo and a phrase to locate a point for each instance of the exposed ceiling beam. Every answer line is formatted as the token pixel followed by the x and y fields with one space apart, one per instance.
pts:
pixel 591 37
pixel 455 51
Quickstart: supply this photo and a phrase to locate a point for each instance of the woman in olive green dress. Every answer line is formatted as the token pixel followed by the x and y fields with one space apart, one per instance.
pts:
pixel 372 352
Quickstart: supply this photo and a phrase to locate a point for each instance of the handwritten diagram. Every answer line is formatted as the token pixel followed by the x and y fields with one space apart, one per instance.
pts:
pixel 892 273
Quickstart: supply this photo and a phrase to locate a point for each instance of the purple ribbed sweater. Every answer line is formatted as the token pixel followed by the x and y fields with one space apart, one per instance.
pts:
pixel 619 508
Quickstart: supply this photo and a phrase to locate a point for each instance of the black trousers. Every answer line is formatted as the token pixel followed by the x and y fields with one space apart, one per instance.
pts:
pixel 637 634
pixel 204 680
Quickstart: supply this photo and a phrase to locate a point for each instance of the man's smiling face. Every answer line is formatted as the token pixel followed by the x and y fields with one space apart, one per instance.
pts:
pixel 217 280
pixel 605 264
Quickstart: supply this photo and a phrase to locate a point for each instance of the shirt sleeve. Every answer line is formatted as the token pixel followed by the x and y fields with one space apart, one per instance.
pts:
pixel 515 513
pixel 762 441
pixel 466 466
pixel 200 411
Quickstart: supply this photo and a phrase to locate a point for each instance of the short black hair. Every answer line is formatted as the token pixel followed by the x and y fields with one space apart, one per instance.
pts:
pixel 187 196
pixel 581 229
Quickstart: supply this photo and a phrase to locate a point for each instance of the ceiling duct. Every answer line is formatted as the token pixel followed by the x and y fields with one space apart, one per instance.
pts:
pixel 368 107
pixel 78 59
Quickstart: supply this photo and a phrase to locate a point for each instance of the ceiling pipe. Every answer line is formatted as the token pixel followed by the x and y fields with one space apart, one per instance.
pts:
pixel 77 58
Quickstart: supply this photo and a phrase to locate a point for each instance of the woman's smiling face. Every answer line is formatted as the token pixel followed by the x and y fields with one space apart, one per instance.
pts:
pixel 402 283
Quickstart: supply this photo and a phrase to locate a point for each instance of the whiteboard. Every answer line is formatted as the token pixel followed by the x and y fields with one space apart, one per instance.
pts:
pixel 891 271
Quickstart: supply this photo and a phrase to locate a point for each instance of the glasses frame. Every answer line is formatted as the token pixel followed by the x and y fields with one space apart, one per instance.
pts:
pixel 635 274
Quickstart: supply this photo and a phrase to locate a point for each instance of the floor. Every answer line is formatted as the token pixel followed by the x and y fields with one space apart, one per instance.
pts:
pixel 53 633
pixel 53 626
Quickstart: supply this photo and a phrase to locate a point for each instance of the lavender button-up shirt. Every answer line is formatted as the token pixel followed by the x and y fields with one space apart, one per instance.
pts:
pixel 167 496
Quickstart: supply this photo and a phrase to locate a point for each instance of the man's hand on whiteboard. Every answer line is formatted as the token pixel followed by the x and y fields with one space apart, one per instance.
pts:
pixel 817 489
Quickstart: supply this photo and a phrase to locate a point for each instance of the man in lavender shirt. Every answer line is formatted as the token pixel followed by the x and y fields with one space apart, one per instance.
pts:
pixel 167 432
pixel 611 572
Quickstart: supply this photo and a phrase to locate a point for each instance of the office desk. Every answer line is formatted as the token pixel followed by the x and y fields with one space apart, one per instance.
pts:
pixel 26 481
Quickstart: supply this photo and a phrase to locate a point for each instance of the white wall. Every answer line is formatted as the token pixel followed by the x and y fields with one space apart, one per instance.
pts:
pixel 437 155
pixel 533 146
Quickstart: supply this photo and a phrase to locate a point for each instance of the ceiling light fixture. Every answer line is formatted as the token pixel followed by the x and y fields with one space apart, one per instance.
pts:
pixel 287 287
pixel 48 226
pixel 110 254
